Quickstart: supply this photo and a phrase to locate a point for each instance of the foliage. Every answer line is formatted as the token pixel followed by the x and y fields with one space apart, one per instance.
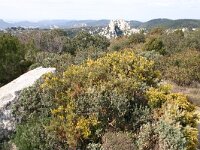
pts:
pixel 157 31
pixel 124 42
pixel 119 44
pixel 46 59
pixel 111 100
pixel 89 53
pixel 12 58
pixel 94 146
pixel 170 136
pixel 104 89
pixel 58 41
pixel 177 117
pixel 172 24
pixel 146 138
pixel 136 38
pixel 173 42
pixel 155 44
pixel 31 103
pixel 50 41
pixel 181 68
pixel 33 135
pixel 193 40
pixel 33 112
pixel 84 40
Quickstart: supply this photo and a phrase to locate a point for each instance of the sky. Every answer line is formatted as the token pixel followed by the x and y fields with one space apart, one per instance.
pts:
pixel 141 10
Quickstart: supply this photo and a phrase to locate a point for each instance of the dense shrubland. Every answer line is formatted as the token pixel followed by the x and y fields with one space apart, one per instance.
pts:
pixel 45 48
pixel 87 104
pixel 52 48
pixel 107 94
pixel 176 54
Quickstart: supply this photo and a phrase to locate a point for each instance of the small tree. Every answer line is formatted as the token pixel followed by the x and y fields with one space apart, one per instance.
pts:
pixel 12 62
pixel 155 44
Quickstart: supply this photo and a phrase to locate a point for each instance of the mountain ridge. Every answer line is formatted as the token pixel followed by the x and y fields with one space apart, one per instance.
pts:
pixel 160 22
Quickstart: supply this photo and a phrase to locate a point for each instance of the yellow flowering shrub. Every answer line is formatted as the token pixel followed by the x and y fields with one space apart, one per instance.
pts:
pixel 97 93
pixel 71 126
pixel 118 92
pixel 157 96
pixel 175 109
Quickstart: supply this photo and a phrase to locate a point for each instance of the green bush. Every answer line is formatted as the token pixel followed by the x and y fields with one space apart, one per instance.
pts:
pixel 146 138
pixel 46 59
pixel 155 44
pixel 84 40
pixel 33 114
pixel 33 102
pixel 119 43
pixel 192 40
pixel 170 136
pixel 12 58
pixel 173 42
pixel 136 38
pixel 89 53
pixel 181 68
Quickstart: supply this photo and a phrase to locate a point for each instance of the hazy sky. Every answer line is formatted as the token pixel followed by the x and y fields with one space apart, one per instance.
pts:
pixel 141 10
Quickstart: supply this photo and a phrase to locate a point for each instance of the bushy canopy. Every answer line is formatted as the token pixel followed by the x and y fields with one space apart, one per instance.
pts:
pixel 12 58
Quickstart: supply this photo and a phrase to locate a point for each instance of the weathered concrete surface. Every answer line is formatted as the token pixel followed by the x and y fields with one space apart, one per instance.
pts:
pixel 9 94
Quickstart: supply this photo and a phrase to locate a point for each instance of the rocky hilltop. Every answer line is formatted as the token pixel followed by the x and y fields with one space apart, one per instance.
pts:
pixel 118 28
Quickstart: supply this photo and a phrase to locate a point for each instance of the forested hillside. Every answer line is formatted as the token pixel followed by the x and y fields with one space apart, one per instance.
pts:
pixel 174 24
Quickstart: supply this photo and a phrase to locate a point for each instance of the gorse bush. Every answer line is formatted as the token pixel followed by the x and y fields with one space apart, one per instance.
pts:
pixel 101 93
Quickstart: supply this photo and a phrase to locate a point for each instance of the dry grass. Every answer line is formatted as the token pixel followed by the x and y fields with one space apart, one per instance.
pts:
pixel 193 92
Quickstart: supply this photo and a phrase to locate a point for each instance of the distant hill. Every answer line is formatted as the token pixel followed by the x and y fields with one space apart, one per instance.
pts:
pixel 55 23
pixel 166 23
pixel 135 24
pixel 4 24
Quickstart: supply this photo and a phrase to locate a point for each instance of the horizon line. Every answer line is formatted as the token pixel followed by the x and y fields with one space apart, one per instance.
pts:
pixel 60 19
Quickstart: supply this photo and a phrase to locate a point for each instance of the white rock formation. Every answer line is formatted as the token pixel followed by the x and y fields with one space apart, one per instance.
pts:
pixel 9 94
pixel 117 28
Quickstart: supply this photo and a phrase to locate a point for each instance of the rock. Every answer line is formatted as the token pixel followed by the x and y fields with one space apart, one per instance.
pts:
pixel 9 94
pixel 118 28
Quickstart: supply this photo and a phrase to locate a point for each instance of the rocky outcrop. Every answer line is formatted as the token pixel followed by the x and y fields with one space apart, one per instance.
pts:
pixel 118 28
pixel 9 94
